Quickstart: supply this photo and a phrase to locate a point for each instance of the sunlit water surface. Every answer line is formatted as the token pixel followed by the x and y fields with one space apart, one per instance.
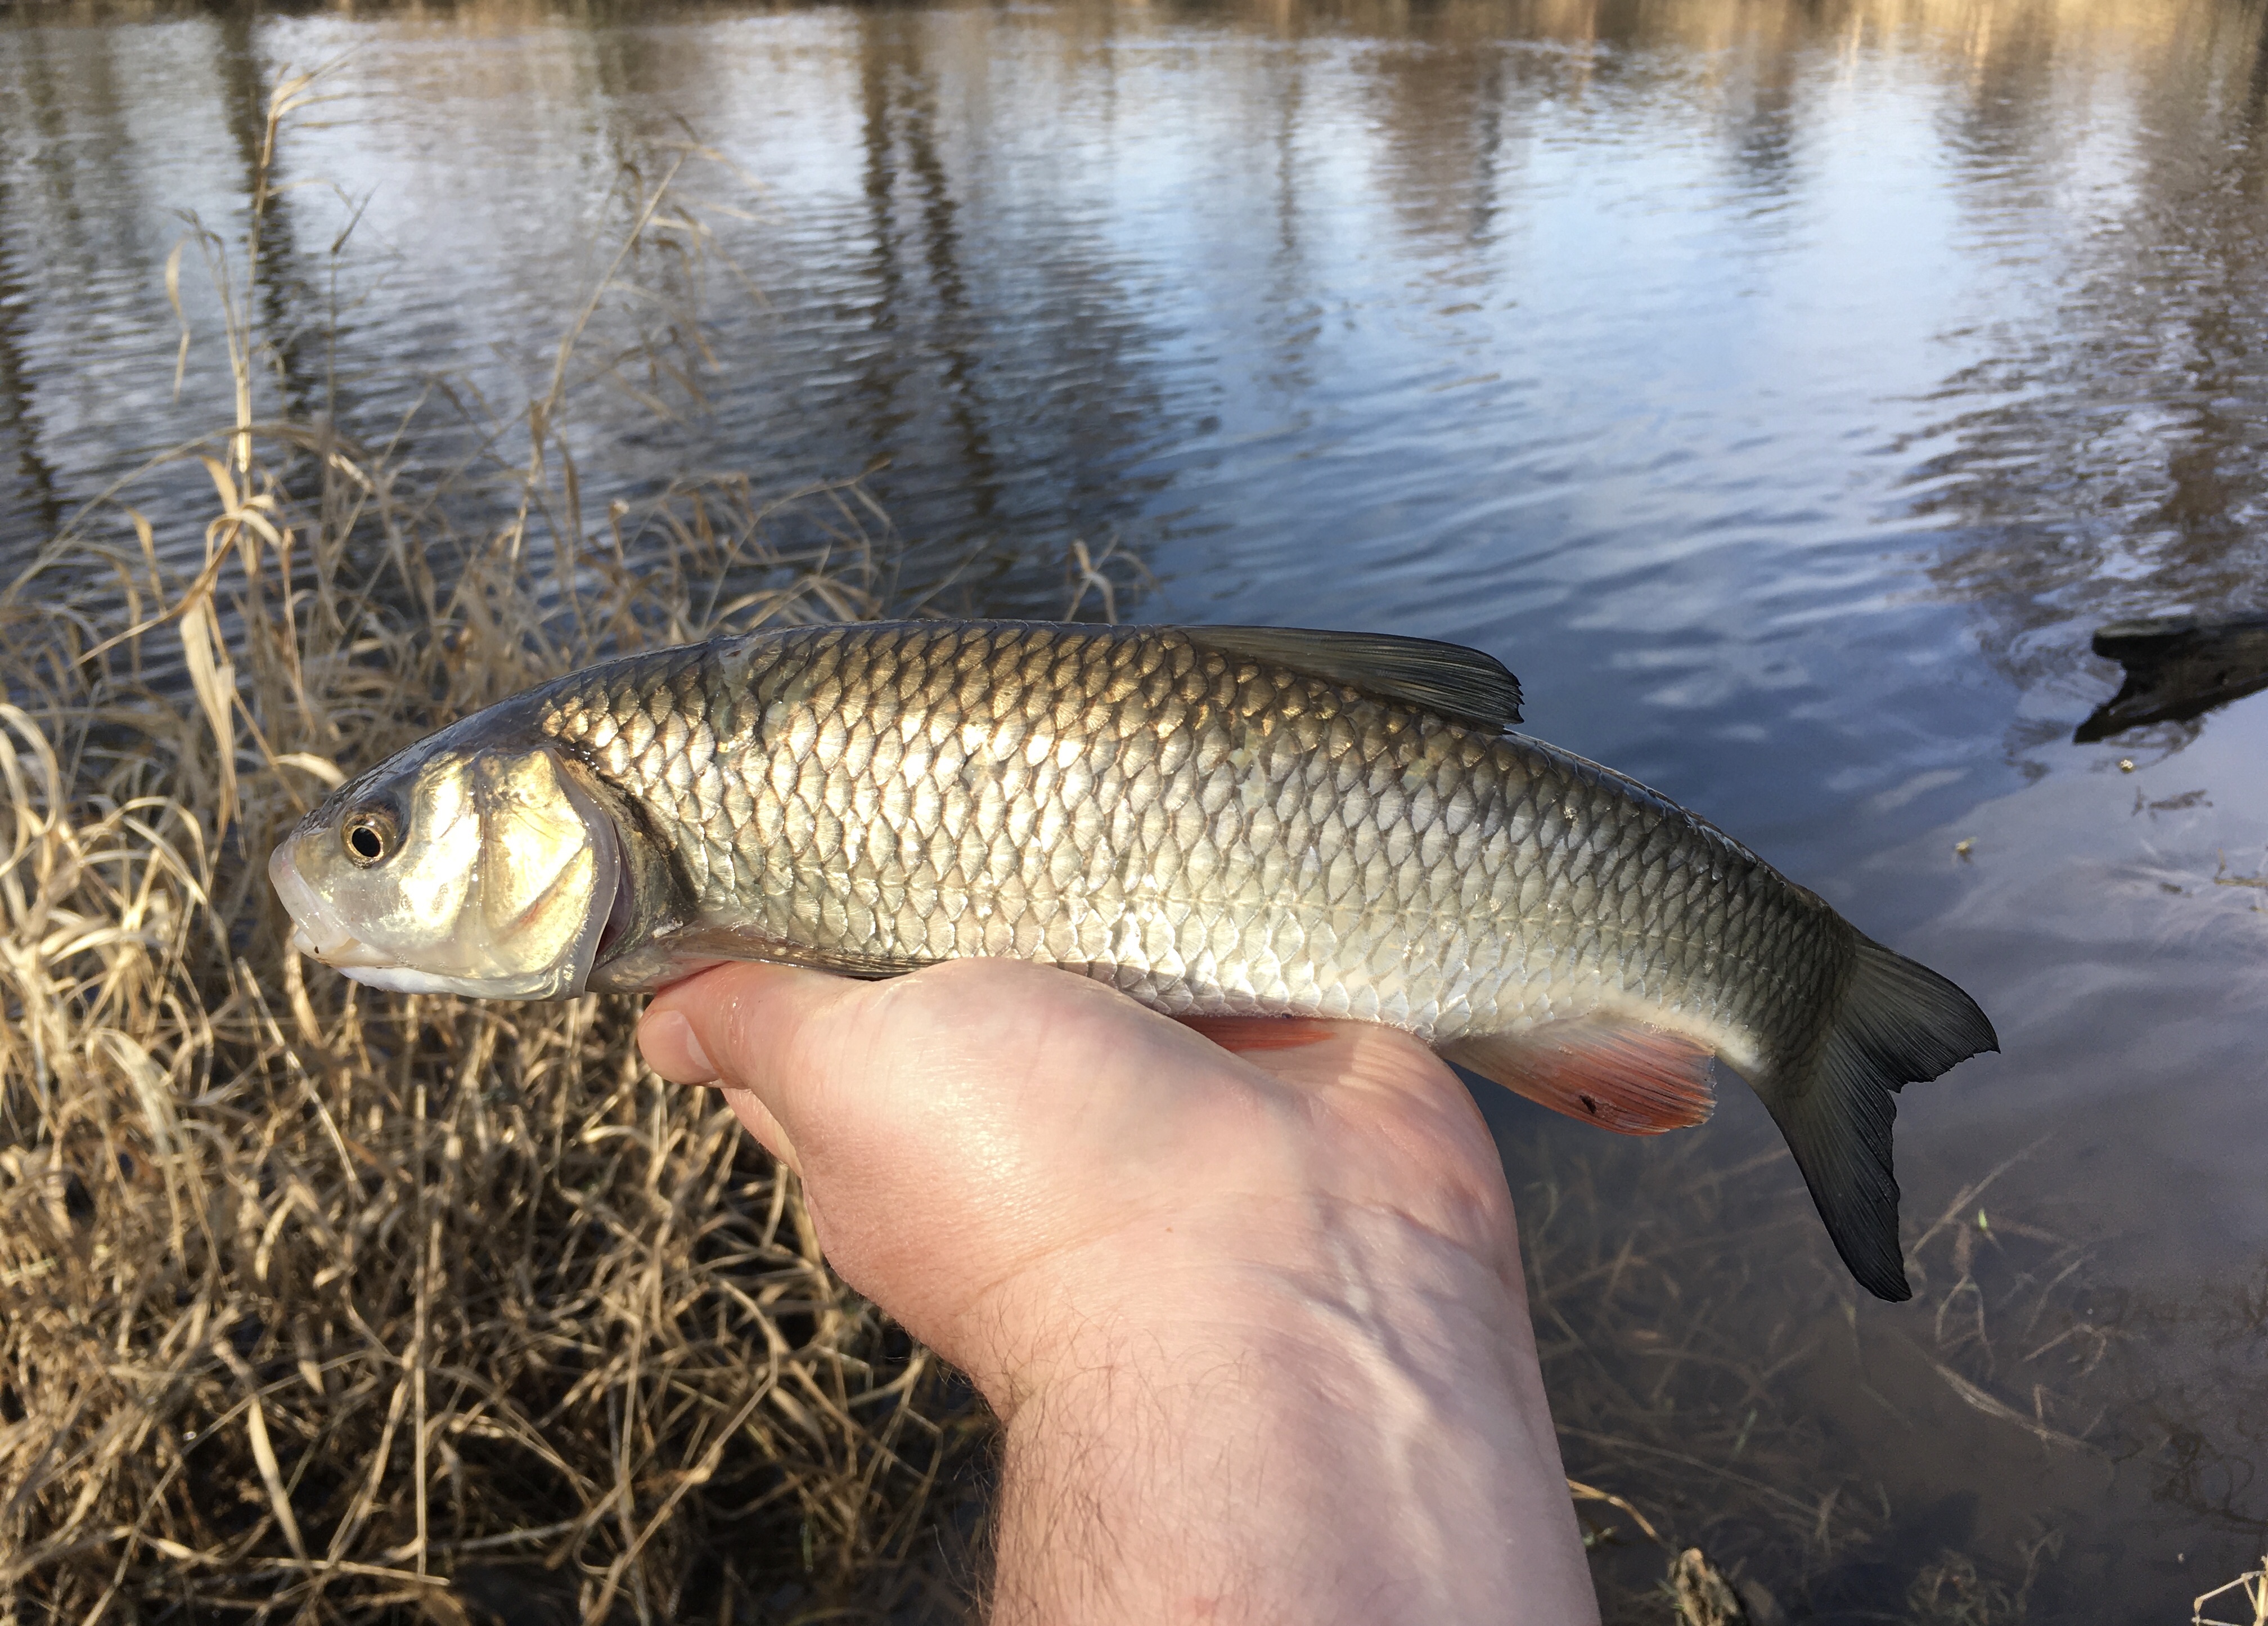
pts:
pixel 1785 393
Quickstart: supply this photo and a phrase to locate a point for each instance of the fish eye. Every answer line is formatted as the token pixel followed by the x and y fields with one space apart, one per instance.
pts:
pixel 368 837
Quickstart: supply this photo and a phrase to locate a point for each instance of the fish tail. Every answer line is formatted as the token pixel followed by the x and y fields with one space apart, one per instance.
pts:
pixel 1896 1023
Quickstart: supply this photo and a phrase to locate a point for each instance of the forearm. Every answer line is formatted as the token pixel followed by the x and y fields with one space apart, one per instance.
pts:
pixel 1362 1439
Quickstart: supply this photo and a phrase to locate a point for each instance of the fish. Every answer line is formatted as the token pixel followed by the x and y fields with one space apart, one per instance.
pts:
pixel 1226 823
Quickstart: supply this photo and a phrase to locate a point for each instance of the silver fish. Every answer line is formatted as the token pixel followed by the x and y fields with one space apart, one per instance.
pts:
pixel 1223 822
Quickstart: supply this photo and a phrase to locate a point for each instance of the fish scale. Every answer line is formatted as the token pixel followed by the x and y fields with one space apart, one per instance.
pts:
pixel 1225 823
pixel 1209 836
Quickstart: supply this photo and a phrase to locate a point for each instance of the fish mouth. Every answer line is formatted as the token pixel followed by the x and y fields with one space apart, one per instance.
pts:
pixel 316 928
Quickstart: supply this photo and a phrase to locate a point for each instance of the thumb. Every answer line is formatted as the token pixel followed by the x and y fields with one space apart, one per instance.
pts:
pixel 747 1027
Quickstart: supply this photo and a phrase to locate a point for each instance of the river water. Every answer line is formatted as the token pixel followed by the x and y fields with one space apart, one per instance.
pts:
pixel 1785 392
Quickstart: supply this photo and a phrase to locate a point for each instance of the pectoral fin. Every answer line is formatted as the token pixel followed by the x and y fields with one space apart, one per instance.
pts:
pixel 1621 1076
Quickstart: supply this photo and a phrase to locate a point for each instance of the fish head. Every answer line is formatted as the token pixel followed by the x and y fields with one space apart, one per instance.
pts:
pixel 489 872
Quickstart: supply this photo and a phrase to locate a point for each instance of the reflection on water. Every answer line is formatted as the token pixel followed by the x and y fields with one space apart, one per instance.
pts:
pixel 1785 390
pixel 2109 459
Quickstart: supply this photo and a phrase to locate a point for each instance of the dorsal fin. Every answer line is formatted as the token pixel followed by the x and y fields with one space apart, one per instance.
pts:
pixel 1446 678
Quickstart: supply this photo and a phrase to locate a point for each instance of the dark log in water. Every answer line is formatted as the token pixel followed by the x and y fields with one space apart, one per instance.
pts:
pixel 2177 668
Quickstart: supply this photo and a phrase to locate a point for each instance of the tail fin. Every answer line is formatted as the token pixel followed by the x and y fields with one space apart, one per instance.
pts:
pixel 1898 1023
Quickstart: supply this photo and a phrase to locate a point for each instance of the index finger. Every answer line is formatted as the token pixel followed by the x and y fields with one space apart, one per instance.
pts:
pixel 822 1054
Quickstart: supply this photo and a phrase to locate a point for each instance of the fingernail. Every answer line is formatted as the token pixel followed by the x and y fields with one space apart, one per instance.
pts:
pixel 671 1050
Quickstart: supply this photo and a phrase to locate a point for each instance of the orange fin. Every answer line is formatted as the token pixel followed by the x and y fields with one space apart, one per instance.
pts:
pixel 1259 1033
pixel 1621 1076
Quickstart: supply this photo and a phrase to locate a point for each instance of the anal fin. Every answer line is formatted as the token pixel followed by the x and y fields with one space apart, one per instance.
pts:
pixel 1621 1076
pixel 1242 1033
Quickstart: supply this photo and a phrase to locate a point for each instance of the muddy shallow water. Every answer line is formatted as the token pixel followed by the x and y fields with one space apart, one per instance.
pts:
pixel 1786 392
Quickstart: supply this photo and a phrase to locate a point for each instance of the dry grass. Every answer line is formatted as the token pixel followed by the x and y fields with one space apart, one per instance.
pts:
pixel 319 1304
pixel 2247 1593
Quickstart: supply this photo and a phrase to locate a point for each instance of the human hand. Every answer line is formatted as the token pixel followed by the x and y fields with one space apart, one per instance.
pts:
pixel 1292 1271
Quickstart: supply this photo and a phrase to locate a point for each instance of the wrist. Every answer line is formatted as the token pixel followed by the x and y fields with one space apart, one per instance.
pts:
pixel 1304 1287
pixel 1344 1436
